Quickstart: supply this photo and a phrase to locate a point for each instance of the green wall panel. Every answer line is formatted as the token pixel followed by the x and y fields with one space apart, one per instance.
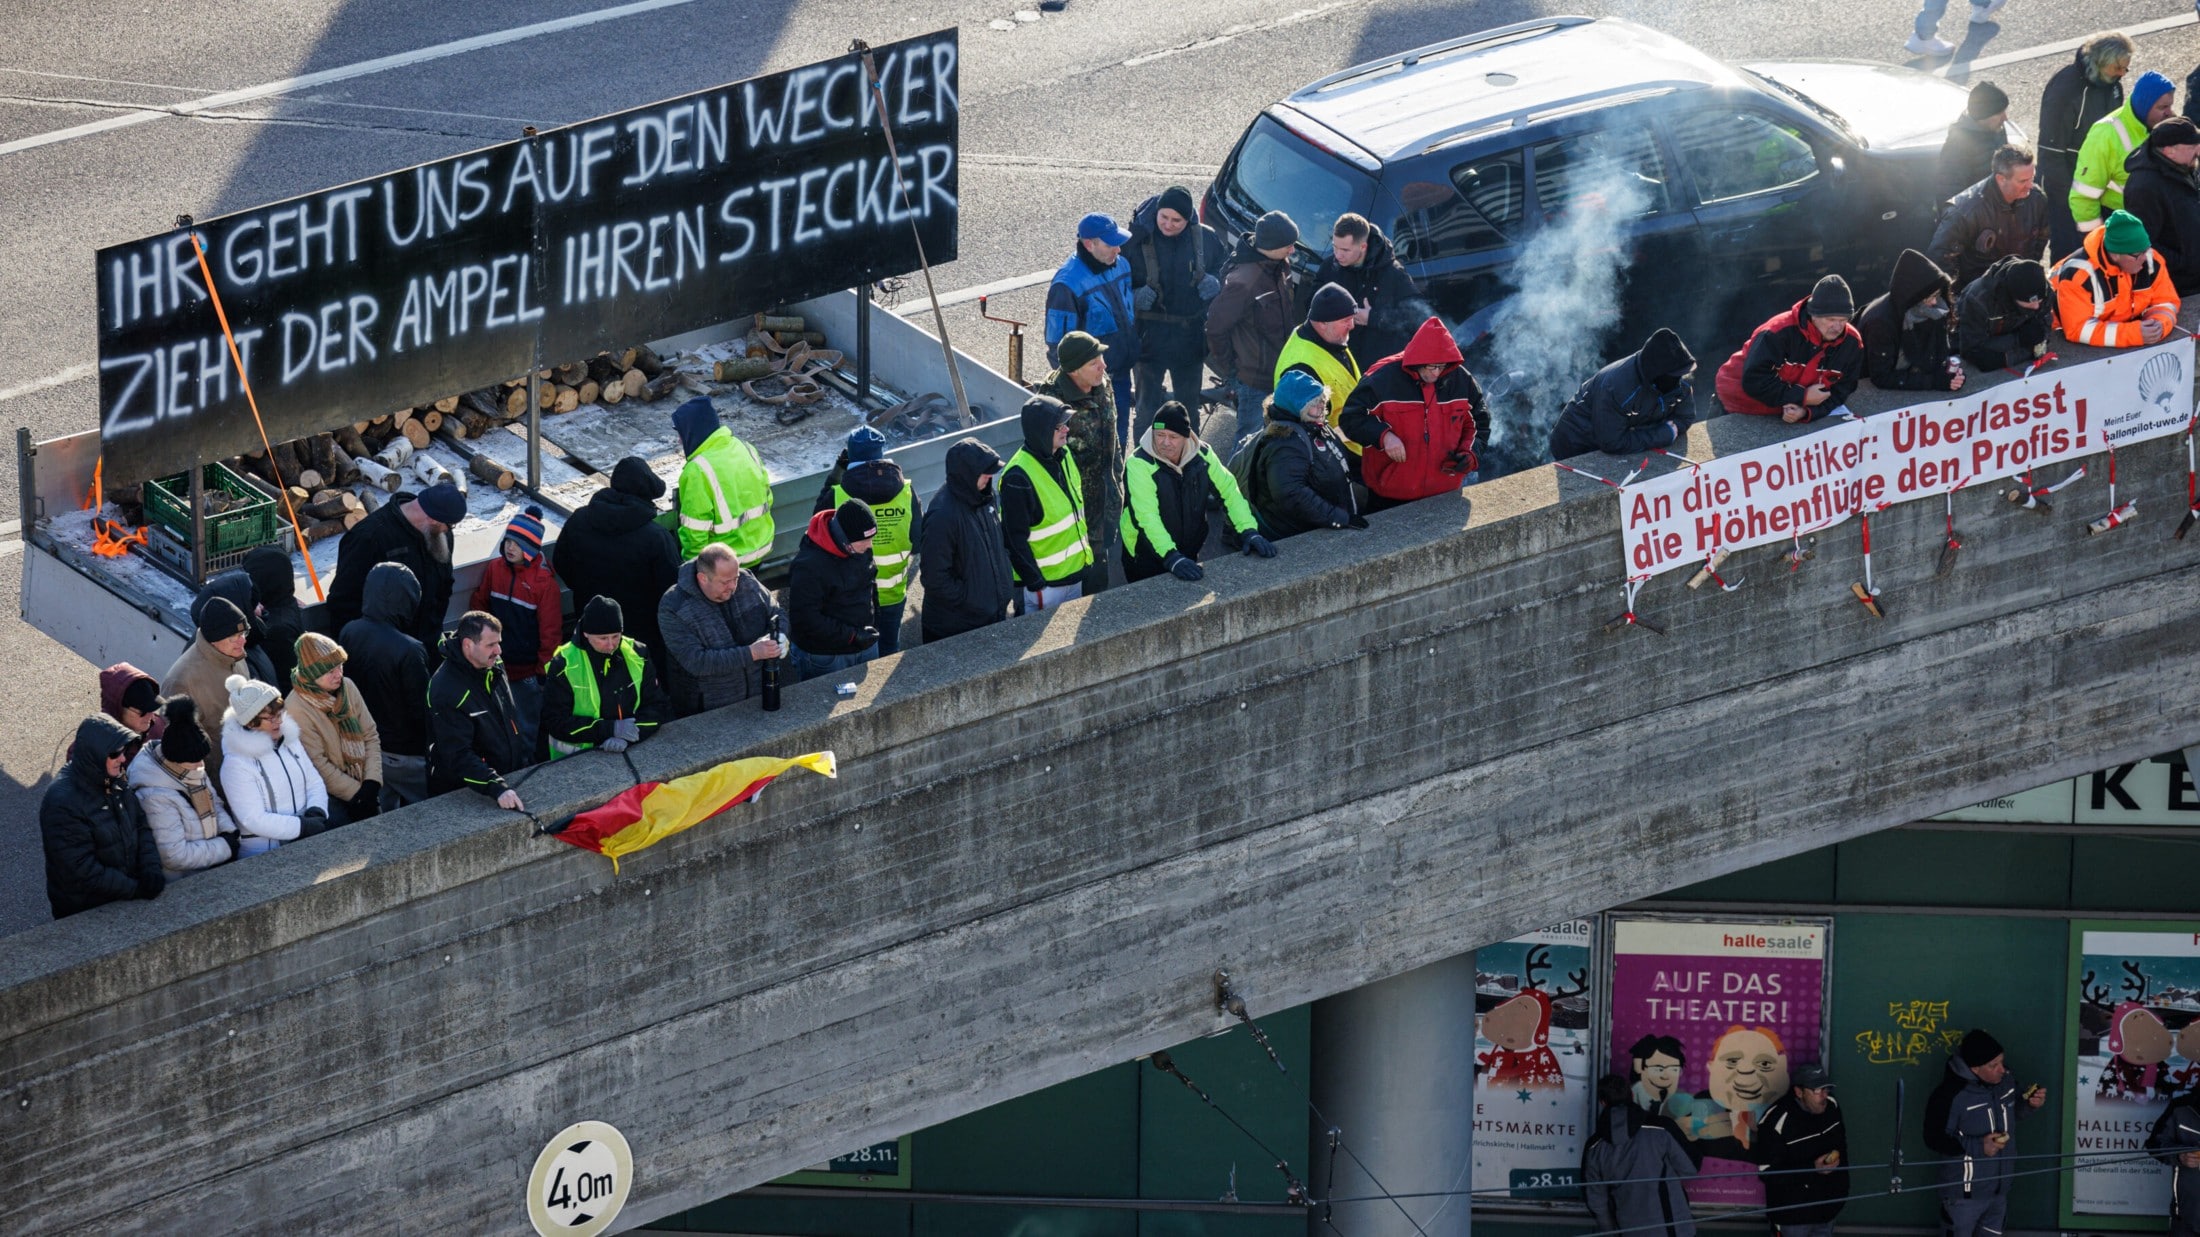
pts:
pixel 1078 1138
pixel 1807 877
pixel 1186 1150
pixel 2136 874
pixel 1910 867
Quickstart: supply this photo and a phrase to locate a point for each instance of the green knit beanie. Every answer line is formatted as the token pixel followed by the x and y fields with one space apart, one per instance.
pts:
pixel 2125 234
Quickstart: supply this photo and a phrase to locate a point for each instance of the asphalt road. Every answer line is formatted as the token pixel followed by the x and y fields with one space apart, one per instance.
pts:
pixel 117 115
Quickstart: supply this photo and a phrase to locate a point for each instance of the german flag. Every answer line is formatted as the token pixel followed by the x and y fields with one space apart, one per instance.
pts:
pixel 653 811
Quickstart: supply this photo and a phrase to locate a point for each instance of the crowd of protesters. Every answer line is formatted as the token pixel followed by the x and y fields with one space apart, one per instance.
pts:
pixel 1342 395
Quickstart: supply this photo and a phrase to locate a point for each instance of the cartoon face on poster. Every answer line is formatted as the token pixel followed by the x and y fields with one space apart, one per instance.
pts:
pixel 1708 1020
pixel 1532 1063
pixel 2136 1045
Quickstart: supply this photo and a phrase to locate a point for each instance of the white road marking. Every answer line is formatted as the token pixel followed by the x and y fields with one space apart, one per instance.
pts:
pixel 50 381
pixel 323 77
pixel 1961 67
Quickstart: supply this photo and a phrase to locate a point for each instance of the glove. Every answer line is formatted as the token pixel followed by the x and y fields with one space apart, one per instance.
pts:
pixel 866 638
pixel 1145 299
pixel 371 791
pixel 366 803
pixel 1456 462
pixel 150 884
pixel 232 839
pixel 1209 287
pixel 1676 433
pixel 628 729
pixel 1356 522
pixel 312 821
pixel 1183 568
pixel 614 745
pixel 1257 544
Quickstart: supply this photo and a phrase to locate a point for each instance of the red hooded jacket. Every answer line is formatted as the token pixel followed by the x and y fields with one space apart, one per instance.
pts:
pixel 1435 420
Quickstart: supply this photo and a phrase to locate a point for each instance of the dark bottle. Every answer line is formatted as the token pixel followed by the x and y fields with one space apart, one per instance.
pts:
pixel 771 674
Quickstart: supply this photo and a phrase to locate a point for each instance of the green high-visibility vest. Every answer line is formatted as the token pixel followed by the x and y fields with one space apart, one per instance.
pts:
pixel 1339 376
pixel 725 495
pixel 890 550
pixel 587 699
pixel 1058 540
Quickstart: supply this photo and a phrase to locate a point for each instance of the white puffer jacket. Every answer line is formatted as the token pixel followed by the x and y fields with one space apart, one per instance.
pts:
pixel 175 823
pixel 268 784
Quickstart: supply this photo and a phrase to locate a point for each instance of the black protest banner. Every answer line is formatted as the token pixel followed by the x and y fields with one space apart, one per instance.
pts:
pixel 358 300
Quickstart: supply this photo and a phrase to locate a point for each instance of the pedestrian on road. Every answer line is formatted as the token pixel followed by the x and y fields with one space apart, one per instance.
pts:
pixel 832 592
pixel 1968 1122
pixel 1084 388
pixel 1092 293
pixel 272 787
pixel 1801 365
pixel 1924 37
pixel 2114 293
pixel 2097 186
pixel 1302 476
pixel 2080 93
pixel 968 582
pixel 1173 480
pixel 720 628
pixel 191 826
pixel 725 493
pixel 517 587
pixel 2176 1137
pixel 1905 329
pixel 1321 348
pixel 2006 215
pixel 1413 418
pixel 1972 139
pixel 390 669
pixel 1252 317
pixel 2002 320
pixel 865 473
pixel 613 547
pixel 1176 270
pixel 132 697
pixel 337 728
pixel 280 614
pixel 1632 1168
pixel 1387 304
pixel 1636 404
pixel 202 671
pixel 2162 191
pixel 600 690
pixel 412 530
pixel 1043 514
pixel 98 846
pixel 473 724
pixel 1803 1149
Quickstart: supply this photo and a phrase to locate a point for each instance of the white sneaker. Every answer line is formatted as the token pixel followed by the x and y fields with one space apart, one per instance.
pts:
pixel 1929 46
pixel 1984 11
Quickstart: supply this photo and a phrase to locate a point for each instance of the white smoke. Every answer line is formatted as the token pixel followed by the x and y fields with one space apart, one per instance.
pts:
pixel 1550 334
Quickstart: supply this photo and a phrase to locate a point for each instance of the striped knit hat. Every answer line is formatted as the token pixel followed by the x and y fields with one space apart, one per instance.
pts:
pixel 317 655
pixel 526 529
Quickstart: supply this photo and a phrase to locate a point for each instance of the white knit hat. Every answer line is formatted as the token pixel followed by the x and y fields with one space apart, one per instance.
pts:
pixel 248 696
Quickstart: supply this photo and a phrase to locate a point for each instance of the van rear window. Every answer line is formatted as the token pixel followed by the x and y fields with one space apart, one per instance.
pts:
pixel 1277 169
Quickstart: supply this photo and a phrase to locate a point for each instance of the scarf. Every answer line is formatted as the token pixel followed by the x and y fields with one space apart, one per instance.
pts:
pixel 199 793
pixel 351 732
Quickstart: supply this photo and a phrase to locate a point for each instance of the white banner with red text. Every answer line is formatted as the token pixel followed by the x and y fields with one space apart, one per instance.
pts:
pixel 1820 479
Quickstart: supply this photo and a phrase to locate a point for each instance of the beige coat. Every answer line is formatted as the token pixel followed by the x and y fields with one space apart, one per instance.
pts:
pixel 202 673
pixel 323 741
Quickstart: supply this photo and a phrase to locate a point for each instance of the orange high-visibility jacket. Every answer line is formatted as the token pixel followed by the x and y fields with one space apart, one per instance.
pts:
pixel 2102 306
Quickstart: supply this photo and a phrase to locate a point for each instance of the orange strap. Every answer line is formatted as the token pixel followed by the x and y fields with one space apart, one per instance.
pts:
pixel 282 487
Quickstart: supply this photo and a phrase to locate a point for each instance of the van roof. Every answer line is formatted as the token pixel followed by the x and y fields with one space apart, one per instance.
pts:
pixel 1406 103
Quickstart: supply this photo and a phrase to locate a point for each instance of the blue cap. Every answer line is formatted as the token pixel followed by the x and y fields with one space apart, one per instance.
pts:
pixel 1296 389
pixel 2147 91
pixel 865 444
pixel 1101 228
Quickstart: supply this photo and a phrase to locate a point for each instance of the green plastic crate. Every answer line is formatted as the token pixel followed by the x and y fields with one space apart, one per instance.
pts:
pixel 168 504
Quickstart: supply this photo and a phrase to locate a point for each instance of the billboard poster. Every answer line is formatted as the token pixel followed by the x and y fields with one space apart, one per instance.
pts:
pixel 1707 1018
pixel 1533 1081
pixel 2134 1001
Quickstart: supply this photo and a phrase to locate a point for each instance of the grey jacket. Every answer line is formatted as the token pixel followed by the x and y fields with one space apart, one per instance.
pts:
pixel 707 663
pixel 1643 1158
pixel 174 822
pixel 1959 1115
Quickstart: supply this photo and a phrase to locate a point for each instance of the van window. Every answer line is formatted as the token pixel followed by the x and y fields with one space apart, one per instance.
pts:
pixel 1484 211
pixel 1278 170
pixel 1734 154
pixel 1609 164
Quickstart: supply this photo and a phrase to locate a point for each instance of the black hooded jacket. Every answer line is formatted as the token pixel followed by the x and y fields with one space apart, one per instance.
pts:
pixel 613 548
pixel 474 726
pixel 1899 354
pixel 1020 510
pixel 1992 330
pixel 2068 108
pixel 269 567
pixel 1395 308
pixel 98 846
pixel 832 593
pixel 1966 154
pixel 964 568
pixel 388 537
pixel 389 667
pixel 1174 331
pixel 2166 198
pixel 1301 480
pixel 236 587
pixel 1625 408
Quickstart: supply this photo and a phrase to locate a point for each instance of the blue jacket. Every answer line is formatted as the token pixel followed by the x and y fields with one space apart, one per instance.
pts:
pixel 1098 302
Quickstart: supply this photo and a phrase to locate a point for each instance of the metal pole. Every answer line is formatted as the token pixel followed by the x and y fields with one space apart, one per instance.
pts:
pixel 863 344
pixel 534 352
pixel 197 491
pixel 26 480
